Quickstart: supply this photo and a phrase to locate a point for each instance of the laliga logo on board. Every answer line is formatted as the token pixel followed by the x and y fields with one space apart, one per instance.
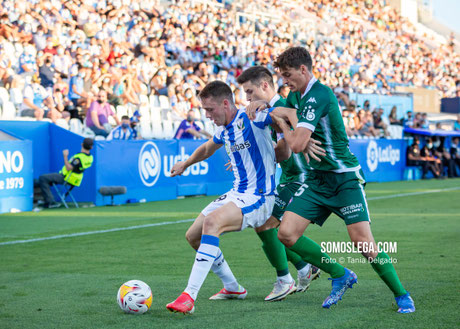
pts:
pixel 376 155
pixel 149 164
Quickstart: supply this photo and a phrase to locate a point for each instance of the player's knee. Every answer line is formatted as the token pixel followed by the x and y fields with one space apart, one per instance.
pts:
pixel 192 239
pixel 286 238
pixel 210 225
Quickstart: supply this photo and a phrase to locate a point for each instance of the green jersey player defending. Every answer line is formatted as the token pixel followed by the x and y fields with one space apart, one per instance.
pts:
pixel 334 185
pixel 257 82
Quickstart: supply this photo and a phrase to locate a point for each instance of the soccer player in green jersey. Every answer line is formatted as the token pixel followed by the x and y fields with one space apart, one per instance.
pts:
pixel 335 184
pixel 257 83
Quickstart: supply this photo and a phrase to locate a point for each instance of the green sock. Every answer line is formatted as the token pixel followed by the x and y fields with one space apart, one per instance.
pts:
pixel 274 250
pixel 384 268
pixel 310 252
pixel 295 259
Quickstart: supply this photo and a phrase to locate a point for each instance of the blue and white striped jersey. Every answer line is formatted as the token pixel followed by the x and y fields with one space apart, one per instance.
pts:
pixel 250 148
pixel 119 134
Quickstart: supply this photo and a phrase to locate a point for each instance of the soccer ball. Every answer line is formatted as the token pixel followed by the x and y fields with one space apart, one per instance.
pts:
pixel 134 297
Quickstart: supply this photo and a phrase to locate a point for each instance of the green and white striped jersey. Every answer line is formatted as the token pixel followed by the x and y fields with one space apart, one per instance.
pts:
pixel 318 111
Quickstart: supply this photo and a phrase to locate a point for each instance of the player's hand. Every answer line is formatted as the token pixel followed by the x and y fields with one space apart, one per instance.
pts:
pixel 314 150
pixel 254 107
pixel 65 153
pixel 178 169
pixel 228 166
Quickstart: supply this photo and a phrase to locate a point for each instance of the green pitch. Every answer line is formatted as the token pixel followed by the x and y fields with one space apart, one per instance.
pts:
pixel 72 282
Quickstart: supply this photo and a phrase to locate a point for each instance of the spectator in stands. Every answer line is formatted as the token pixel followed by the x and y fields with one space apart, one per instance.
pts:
pixel 188 129
pixel 457 123
pixel 427 155
pixel 71 172
pixel 455 154
pixel 443 154
pixel 38 102
pixel 394 116
pixel 97 117
pixel 364 124
pixel 123 131
pixel 424 124
pixel 27 61
pixel 76 93
pixel 47 73
pixel 379 122
pixel 415 158
pixel 408 121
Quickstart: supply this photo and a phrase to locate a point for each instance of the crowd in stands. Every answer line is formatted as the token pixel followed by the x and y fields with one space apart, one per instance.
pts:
pixel 81 59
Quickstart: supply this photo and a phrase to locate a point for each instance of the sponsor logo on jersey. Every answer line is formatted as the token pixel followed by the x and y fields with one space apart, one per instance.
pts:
pixel 311 100
pixel 240 147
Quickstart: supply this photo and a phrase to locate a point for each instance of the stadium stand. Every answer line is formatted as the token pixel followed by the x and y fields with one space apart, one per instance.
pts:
pixel 147 59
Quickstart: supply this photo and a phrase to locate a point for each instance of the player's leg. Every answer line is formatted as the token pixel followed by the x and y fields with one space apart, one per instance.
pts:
pixel 360 233
pixel 276 254
pixel 220 266
pixel 306 207
pixel 224 219
pixel 351 205
pixel 285 193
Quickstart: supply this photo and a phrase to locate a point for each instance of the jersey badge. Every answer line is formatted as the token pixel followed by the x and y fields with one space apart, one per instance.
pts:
pixel 240 124
pixel 311 100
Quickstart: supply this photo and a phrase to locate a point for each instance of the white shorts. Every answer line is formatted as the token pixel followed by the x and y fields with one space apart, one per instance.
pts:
pixel 256 209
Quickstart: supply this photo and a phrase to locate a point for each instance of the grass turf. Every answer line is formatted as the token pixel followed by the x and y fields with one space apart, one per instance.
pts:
pixel 72 282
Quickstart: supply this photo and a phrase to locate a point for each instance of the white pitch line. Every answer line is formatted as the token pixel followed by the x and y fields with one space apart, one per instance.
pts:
pixel 192 219
pixel 412 193
pixel 97 232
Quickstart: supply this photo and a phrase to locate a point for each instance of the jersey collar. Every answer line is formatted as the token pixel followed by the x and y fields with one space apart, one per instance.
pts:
pixel 274 100
pixel 310 84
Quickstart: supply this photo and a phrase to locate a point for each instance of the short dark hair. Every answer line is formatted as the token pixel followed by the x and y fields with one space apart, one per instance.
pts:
pixel 125 117
pixel 88 143
pixel 217 90
pixel 255 75
pixel 294 57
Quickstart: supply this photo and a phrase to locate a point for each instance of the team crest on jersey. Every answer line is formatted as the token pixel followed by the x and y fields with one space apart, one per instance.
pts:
pixel 310 115
pixel 240 124
pixel 311 100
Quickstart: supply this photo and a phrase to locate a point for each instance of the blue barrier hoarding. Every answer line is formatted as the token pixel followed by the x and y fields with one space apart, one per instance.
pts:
pixel 382 160
pixel 16 176
pixel 144 166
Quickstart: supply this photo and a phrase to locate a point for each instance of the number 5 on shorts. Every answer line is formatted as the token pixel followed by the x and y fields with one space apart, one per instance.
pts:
pixel 301 190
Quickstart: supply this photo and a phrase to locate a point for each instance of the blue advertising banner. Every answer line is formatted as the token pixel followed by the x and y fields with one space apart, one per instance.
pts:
pixel 382 160
pixel 144 168
pixel 16 176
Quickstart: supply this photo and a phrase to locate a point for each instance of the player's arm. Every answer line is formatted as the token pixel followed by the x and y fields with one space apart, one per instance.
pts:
pixel 287 114
pixel 297 139
pixel 203 152
pixel 282 150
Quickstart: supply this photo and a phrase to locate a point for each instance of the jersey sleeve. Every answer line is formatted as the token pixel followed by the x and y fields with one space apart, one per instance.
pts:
pixel 263 118
pixel 311 114
pixel 218 136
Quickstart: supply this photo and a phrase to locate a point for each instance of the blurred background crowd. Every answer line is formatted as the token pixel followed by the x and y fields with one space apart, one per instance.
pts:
pixel 100 60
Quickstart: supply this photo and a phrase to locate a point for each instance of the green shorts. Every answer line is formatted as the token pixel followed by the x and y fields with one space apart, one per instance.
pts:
pixel 327 192
pixel 284 194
